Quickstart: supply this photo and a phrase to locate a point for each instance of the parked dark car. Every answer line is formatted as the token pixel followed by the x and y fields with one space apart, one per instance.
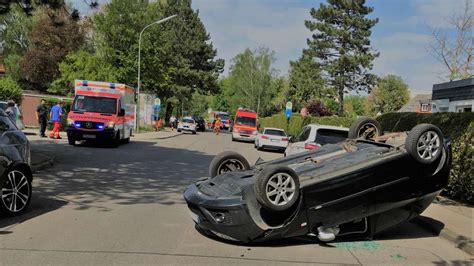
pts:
pixel 355 188
pixel 15 173
pixel 200 123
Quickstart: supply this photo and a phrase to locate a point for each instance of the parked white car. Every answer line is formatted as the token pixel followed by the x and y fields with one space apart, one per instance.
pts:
pixel 187 124
pixel 271 138
pixel 314 136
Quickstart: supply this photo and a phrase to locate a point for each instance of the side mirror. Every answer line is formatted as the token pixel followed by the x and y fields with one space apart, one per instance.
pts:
pixel 121 112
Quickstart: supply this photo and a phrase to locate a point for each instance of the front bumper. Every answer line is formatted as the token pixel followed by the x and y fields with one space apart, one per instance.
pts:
pixel 227 218
pixel 78 134
pixel 244 137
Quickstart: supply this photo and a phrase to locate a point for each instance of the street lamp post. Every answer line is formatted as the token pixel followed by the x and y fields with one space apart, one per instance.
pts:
pixel 137 120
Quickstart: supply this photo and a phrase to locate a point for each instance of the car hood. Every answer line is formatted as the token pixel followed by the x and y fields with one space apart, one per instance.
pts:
pixel 227 185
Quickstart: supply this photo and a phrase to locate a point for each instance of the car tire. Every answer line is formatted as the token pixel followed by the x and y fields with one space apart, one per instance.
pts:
pixel 194 132
pixel 285 184
pixel 71 142
pixel 22 180
pixel 360 127
pixel 179 130
pixel 116 140
pixel 227 161
pixel 424 143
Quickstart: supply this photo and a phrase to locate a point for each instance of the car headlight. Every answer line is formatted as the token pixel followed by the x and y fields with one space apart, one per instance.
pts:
pixel 110 124
pixel 70 122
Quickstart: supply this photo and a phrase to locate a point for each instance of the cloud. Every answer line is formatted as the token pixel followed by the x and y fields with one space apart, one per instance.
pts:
pixel 235 26
pixel 433 13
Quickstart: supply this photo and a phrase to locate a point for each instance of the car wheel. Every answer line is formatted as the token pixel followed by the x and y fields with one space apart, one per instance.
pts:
pixel 194 132
pixel 179 130
pixel 277 188
pixel 71 142
pixel 227 161
pixel 424 143
pixel 366 128
pixel 15 193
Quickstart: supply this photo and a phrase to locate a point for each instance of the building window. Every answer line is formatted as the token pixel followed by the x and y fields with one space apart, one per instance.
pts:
pixel 425 107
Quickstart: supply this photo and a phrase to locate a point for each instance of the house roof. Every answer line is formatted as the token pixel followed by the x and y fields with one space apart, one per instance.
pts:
pixel 412 105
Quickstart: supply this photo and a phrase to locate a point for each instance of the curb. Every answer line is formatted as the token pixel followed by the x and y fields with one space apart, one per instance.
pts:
pixel 43 165
pixel 461 242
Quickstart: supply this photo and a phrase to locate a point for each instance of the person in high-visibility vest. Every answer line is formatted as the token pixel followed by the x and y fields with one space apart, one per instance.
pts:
pixel 217 126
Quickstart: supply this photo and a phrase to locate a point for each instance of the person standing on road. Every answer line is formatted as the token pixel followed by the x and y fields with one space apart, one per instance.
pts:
pixel 11 111
pixel 172 122
pixel 217 126
pixel 41 115
pixel 55 118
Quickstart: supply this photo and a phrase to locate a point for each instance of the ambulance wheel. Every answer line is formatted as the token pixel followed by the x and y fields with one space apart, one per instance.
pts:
pixel 71 142
pixel 116 140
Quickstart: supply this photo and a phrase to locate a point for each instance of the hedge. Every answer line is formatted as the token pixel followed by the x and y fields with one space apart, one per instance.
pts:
pixel 453 125
pixel 297 122
pixel 459 128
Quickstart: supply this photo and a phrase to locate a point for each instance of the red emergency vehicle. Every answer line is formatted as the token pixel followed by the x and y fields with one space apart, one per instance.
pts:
pixel 102 111
pixel 245 125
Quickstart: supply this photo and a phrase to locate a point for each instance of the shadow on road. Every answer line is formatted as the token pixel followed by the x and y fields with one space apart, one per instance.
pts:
pixel 39 205
pixel 138 173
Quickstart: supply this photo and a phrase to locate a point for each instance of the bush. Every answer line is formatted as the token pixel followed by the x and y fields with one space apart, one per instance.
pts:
pixel 461 178
pixel 459 128
pixel 10 90
pixel 297 122
pixel 453 125
pixel 317 108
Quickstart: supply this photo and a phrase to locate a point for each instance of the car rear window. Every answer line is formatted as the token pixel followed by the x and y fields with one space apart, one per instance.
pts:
pixel 304 135
pixel 274 132
pixel 186 120
pixel 330 136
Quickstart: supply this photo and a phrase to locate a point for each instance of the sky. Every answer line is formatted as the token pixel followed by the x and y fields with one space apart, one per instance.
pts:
pixel 402 35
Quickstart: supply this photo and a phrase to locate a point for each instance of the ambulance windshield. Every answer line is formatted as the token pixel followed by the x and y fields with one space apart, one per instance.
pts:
pixel 95 104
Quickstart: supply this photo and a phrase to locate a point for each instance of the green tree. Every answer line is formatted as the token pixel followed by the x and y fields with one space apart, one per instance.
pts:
pixel 389 95
pixel 252 80
pixel 177 57
pixel 198 104
pixel 81 64
pixel 10 90
pixel 53 36
pixel 340 45
pixel 306 82
pixel 354 105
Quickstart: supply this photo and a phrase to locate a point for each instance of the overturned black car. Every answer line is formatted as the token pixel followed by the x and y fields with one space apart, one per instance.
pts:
pixel 358 187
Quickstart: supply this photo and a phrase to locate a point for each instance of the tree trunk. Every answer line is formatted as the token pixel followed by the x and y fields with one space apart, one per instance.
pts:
pixel 341 101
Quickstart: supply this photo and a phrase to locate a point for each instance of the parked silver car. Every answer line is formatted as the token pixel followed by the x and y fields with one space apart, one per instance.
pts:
pixel 313 136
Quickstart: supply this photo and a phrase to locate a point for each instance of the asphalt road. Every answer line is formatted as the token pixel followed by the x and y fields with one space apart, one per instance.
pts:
pixel 101 206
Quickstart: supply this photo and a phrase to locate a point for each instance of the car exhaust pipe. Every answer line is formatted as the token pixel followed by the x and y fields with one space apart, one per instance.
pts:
pixel 327 234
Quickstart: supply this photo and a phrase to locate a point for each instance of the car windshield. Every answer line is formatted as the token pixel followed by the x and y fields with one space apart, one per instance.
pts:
pixel 223 116
pixel 187 120
pixel 95 104
pixel 246 121
pixel 330 136
pixel 274 132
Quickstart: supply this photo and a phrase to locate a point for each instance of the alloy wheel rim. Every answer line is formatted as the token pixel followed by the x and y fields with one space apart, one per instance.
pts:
pixel 365 133
pixel 15 191
pixel 428 145
pixel 230 165
pixel 280 189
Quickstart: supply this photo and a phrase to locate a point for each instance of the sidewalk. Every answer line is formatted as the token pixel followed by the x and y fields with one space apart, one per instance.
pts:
pixel 163 134
pixel 453 221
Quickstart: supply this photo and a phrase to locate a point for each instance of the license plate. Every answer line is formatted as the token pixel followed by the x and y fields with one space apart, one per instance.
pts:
pixel 193 216
pixel 88 136
pixel 275 140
